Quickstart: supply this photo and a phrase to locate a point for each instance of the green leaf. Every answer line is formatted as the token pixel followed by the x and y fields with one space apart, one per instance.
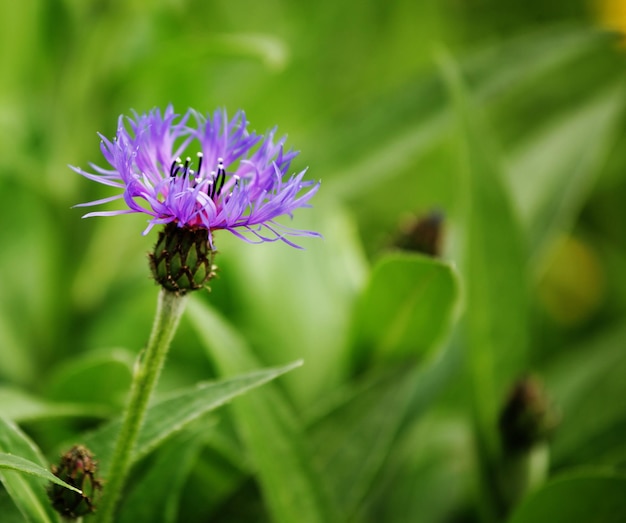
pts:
pixel 155 494
pixel 493 263
pixel 10 513
pixel 14 359
pixel 583 382
pixel 174 412
pixel 11 462
pixel 496 319
pixel 330 273
pixel 354 440
pixel 27 491
pixel 552 171
pixel 291 486
pixel 101 377
pixel 407 306
pixel 427 475
pixel 20 406
pixel 217 476
pixel 416 118
pixel 596 497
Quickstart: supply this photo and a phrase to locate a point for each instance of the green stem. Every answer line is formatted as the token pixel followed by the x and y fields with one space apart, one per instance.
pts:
pixel 147 370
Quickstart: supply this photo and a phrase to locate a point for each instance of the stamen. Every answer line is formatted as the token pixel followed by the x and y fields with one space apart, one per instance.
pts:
pixel 178 167
pixel 217 180
pixel 211 187
pixel 221 177
pixel 199 163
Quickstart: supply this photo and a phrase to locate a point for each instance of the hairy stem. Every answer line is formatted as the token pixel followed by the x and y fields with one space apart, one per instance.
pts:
pixel 145 377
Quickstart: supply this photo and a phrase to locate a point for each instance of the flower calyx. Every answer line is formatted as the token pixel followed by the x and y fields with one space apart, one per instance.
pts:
pixel 182 259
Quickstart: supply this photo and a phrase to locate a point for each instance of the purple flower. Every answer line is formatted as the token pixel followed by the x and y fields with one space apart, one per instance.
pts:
pixel 202 173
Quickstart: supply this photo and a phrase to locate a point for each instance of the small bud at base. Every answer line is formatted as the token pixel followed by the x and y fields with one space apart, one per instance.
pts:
pixel 78 468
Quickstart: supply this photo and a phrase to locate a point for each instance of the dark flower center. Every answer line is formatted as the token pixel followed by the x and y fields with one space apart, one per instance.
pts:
pixel 216 179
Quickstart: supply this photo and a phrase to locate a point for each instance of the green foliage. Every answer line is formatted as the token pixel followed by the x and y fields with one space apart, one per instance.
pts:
pixel 26 491
pixel 153 499
pixel 11 462
pixel 511 128
pixel 269 429
pixel 413 298
pixel 173 413
pixel 496 316
pixel 591 497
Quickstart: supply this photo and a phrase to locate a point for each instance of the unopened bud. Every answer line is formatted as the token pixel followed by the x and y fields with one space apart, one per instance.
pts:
pixel 528 418
pixel 78 468
pixel 422 234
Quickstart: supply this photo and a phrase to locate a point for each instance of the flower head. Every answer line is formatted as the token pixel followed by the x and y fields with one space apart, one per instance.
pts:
pixel 202 172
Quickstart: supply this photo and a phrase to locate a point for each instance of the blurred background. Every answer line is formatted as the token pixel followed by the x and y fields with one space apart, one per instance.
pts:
pixel 387 102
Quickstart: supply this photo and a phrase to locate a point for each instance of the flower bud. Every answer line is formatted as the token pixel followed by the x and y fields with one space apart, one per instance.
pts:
pixel 422 234
pixel 78 468
pixel 528 417
pixel 182 259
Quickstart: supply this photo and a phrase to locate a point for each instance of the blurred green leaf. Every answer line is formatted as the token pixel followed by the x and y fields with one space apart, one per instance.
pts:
pixel 27 492
pixel 122 263
pixel 406 307
pixel 267 48
pixel 354 440
pixel 494 268
pixel 355 437
pixel 174 412
pixel 552 171
pixel 269 428
pixel 27 303
pixel 494 261
pixel 19 464
pixel 589 497
pixel 530 59
pixel 429 473
pixel 391 156
pixel 14 360
pixel 155 494
pixel 101 377
pixel 281 291
pixel 10 513
pixel 585 382
pixel 416 117
pixel 20 406
pixel 219 472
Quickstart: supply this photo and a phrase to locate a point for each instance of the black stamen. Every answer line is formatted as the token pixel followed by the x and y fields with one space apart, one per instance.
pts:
pixel 199 163
pixel 178 167
pixel 219 181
